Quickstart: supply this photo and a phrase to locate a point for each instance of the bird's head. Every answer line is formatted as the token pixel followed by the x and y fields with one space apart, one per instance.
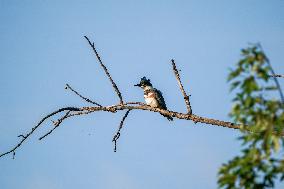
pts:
pixel 144 82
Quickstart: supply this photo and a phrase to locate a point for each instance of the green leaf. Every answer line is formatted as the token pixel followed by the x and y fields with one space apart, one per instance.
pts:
pixel 234 85
pixel 249 85
pixel 275 143
pixel 234 74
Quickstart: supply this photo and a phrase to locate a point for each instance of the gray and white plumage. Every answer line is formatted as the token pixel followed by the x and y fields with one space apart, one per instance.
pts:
pixel 153 97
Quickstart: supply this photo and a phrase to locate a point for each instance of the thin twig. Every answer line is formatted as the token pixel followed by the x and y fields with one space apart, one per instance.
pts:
pixel 117 135
pixel 273 73
pixel 105 69
pixel 186 97
pixel 137 103
pixel 56 124
pixel 84 98
pixel 25 137
pixel 276 75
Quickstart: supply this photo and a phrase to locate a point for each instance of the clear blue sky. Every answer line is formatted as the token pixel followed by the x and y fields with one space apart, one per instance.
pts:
pixel 42 48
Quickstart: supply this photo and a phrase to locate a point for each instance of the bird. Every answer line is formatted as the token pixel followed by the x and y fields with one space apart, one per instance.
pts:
pixel 153 97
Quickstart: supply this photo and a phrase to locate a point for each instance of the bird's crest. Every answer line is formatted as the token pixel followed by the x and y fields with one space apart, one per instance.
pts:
pixel 145 82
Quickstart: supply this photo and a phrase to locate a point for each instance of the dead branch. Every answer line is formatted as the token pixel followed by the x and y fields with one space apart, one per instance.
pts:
pixel 186 97
pixel 114 109
pixel 105 69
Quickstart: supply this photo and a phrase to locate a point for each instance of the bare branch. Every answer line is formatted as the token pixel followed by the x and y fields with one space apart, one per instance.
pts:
pixel 105 69
pixel 276 75
pixel 117 135
pixel 24 137
pixel 84 98
pixel 186 97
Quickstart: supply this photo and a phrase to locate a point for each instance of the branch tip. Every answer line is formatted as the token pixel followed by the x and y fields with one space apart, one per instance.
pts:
pixel 117 135
pixel 186 97
pixel 84 98
pixel 105 70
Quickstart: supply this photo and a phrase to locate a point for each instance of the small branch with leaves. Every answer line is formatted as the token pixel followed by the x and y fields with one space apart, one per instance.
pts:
pixel 273 75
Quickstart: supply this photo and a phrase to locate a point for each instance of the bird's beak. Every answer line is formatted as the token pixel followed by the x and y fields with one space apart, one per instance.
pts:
pixel 138 85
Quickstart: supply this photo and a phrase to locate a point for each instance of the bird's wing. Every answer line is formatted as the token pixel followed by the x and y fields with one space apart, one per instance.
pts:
pixel 160 99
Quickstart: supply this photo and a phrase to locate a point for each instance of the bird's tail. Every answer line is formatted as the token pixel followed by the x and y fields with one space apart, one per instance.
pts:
pixel 168 117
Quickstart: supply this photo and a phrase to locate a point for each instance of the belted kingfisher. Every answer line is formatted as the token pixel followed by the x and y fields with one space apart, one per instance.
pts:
pixel 153 97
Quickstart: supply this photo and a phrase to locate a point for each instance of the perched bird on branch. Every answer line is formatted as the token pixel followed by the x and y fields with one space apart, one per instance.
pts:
pixel 153 97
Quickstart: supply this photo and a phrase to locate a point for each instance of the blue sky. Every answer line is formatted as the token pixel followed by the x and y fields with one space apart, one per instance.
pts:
pixel 42 48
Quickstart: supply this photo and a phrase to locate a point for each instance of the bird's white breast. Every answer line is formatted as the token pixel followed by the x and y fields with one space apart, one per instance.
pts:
pixel 151 100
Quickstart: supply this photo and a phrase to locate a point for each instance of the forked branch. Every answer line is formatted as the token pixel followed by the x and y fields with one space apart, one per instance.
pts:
pixel 56 124
pixel 26 136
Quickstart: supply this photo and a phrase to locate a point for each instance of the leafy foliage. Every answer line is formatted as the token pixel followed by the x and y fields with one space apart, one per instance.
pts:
pixel 261 161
